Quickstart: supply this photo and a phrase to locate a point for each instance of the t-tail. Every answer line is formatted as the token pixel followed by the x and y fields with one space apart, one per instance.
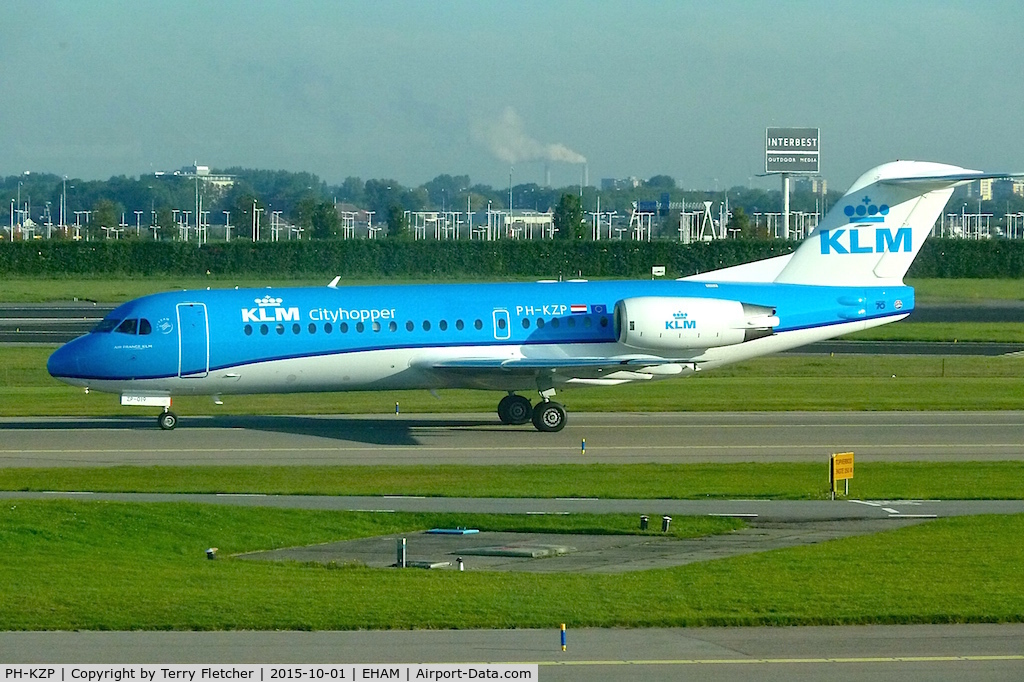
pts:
pixel 871 237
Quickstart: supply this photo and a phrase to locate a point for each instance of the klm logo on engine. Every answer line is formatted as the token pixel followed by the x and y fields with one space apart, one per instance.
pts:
pixel 680 322
pixel 854 240
pixel 269 310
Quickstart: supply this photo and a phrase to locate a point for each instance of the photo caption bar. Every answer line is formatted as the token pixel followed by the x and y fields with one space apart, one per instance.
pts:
pixel 147 672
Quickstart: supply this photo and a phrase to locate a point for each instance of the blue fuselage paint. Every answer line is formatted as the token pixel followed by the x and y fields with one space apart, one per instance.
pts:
pixel 251 326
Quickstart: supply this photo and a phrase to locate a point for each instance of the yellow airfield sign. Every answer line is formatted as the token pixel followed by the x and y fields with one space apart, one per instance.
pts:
pixel 842 466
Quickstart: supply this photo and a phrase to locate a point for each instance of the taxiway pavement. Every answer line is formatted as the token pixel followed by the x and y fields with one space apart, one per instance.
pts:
pixel 480 439
pixel 910 653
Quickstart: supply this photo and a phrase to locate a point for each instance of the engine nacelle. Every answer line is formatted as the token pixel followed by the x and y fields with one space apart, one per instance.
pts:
pixel 667 324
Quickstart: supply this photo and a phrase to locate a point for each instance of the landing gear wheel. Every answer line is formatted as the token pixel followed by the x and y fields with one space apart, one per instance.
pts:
pixel 519 410
pixel 514 409
pixel 167 421
pixel 549 417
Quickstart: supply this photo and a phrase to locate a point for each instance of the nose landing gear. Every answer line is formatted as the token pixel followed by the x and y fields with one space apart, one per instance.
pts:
pixel 167 421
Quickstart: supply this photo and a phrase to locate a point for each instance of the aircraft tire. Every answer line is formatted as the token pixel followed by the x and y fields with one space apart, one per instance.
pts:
pixel 549 417
pixel 514 410
pixel 519 410
pixel 167 421
pixel 503 410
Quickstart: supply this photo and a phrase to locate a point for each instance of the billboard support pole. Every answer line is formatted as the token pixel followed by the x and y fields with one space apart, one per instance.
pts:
pixel 785 206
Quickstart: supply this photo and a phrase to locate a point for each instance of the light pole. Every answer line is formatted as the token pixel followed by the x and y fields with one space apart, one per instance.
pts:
pixel 256 221
pixel 138 223
pixel 227 226
pixel 63 202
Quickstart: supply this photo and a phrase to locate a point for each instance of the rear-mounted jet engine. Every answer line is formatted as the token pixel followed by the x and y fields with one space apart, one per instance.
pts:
pixel 659 323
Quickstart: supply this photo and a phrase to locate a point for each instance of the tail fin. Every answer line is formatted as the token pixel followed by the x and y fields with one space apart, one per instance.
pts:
pixel 871 237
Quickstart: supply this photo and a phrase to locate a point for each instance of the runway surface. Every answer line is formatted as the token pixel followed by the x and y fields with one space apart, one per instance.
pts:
pixel 908 653
pixel 480 439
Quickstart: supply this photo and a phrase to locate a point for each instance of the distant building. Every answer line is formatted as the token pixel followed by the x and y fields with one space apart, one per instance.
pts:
pixel 1005 188
pixel 624 183
pixel 982 189
pixel 813 184
pixel 203 173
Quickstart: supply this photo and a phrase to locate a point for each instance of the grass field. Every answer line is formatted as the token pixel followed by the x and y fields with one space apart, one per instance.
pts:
pixel 992 332
pixel 782 382
pixel 781 480
pixel 76 565
pixel 116 290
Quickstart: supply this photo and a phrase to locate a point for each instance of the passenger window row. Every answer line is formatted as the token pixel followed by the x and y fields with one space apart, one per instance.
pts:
pixel 392 326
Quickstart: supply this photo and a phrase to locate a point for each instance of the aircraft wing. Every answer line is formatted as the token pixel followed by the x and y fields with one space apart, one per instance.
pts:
pixel 568 368
pixel 530 364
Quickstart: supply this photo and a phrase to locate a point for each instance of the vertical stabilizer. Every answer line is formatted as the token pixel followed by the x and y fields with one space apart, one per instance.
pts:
pixel 871 237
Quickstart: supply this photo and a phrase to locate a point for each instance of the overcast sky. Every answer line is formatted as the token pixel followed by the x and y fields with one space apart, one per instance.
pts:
pixel 410 90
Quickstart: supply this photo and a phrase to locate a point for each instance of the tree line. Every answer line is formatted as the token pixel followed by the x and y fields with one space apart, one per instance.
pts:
pixel 303 199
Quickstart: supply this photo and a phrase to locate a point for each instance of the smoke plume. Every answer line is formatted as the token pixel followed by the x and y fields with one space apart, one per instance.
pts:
pixel 507 140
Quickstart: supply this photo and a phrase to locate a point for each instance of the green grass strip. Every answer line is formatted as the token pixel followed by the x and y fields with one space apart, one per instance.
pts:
pixel 105 566
pixel 780 481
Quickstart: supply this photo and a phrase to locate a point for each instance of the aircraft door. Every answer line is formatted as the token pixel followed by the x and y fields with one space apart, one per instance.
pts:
pixel 502 326
pixel 193 341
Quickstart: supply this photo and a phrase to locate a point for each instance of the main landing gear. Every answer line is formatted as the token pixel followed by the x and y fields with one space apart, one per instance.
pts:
pixel 546 415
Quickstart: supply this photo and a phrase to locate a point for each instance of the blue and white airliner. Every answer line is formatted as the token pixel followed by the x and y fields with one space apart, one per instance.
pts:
pixel 525 337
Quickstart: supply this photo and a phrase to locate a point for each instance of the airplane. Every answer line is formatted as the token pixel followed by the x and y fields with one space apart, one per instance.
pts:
pixel 846 276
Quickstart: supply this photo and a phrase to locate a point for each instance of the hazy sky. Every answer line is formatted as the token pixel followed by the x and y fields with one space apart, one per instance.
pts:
pixel 410 90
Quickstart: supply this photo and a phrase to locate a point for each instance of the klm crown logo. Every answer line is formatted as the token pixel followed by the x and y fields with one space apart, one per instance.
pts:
pixel 679 321
pixel 866 212
pixel 269 309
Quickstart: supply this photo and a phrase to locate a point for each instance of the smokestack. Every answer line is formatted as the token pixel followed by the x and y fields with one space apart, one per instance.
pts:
pixel 547 175
pixel 586 175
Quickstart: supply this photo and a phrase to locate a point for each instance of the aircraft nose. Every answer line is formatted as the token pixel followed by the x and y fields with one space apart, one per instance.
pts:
pixel 63 362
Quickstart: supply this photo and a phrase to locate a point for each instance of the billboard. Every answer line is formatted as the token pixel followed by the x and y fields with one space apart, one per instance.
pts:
pixel 791 150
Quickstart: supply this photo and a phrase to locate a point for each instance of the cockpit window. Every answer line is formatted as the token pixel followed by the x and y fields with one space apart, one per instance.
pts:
pixel 107 325
pixel 129 326
pixel 145 327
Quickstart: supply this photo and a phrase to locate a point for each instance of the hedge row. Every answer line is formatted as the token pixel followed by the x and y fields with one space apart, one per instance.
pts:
pixel 378 258
pixel 392 258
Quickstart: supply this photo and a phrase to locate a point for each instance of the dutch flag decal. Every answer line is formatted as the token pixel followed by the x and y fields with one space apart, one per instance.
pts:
pixel 577 309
